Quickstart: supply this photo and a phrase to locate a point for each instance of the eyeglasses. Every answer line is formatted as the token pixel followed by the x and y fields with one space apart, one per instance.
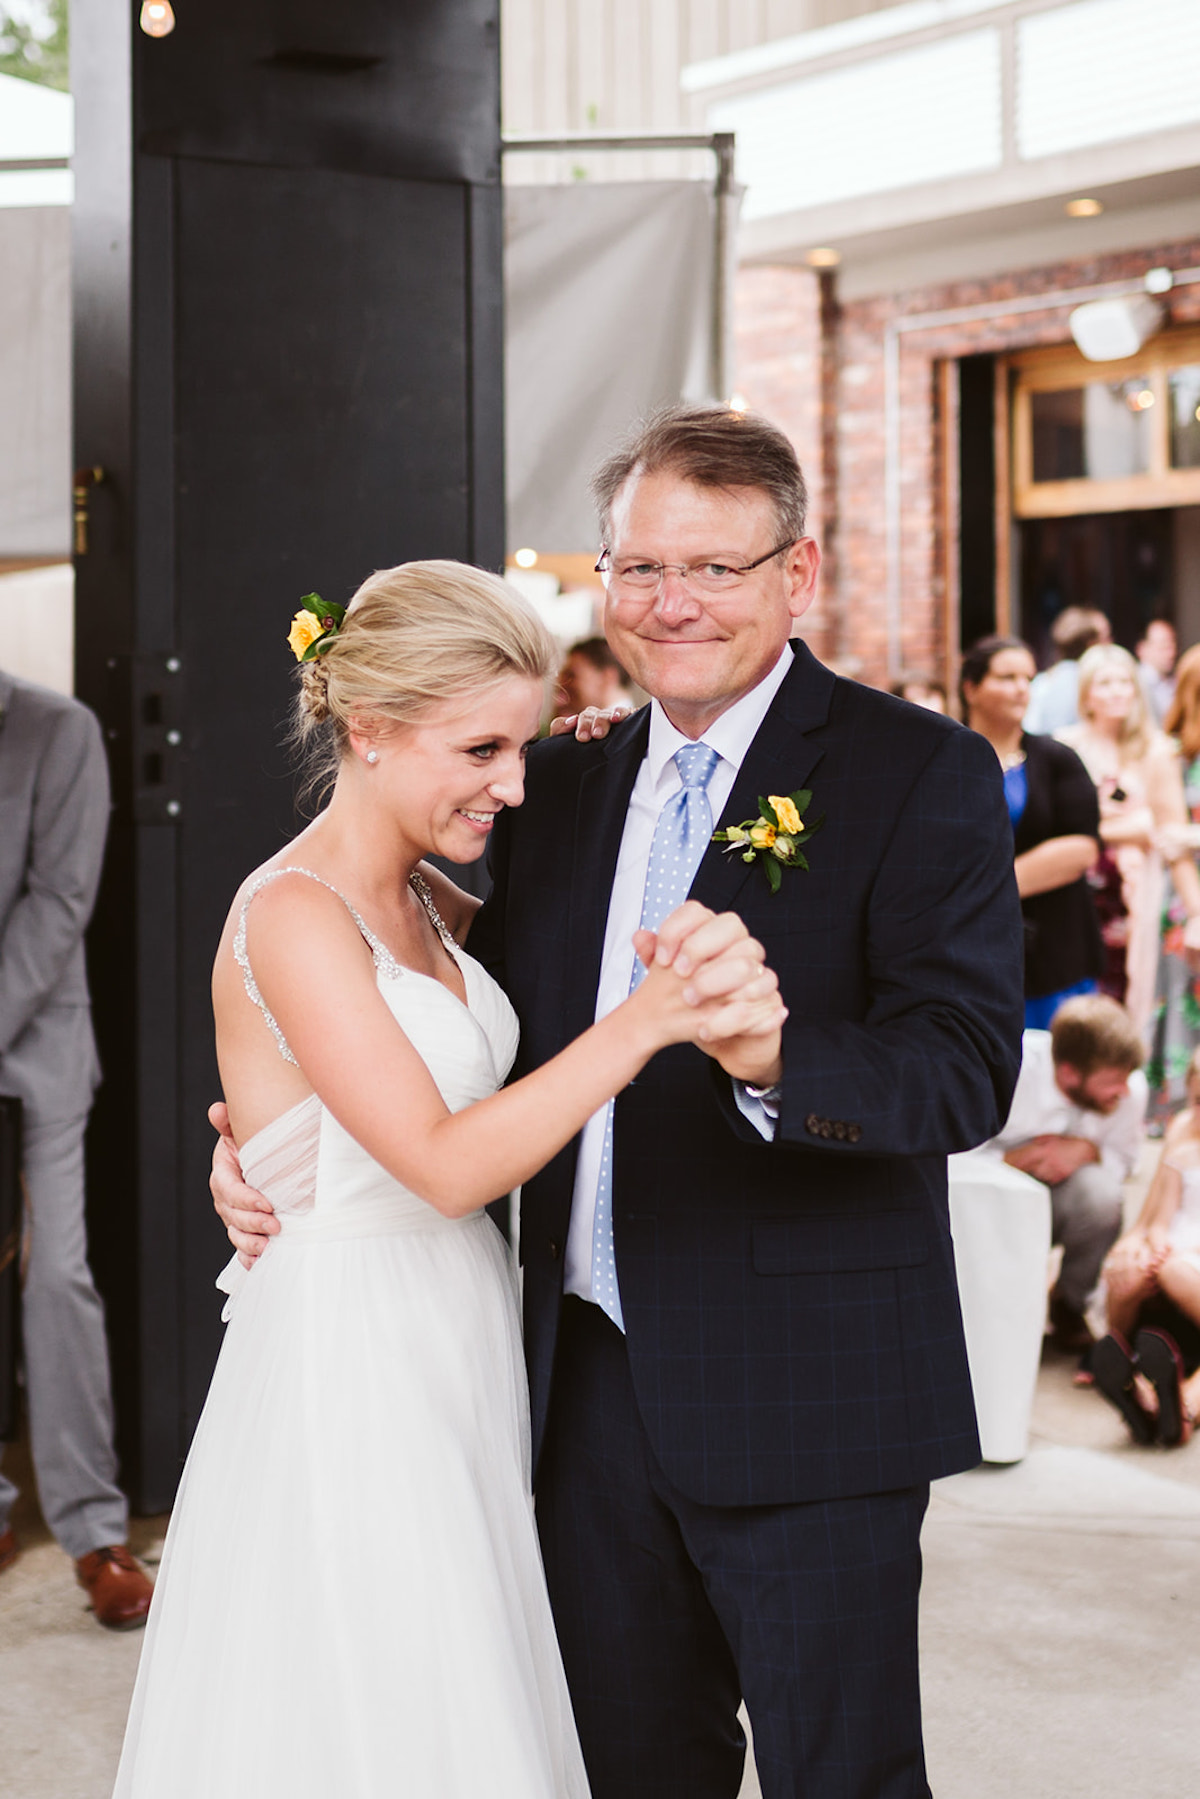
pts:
pixel 705 576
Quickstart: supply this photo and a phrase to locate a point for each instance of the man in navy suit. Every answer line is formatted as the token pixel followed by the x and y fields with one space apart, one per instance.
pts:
pixel 731 1477
pixel 745 1352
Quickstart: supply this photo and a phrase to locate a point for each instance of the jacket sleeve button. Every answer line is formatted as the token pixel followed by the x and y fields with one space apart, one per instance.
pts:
pixel 826 1127
pixel 853 1132
pixel 812 1125
pixel 839 1131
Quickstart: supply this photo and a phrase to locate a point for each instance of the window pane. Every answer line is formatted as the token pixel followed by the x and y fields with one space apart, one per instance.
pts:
pixel 1100 432
pixel 1184 389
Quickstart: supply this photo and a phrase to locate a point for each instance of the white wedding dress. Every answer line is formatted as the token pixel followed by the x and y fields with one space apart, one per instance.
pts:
pixel 351 1601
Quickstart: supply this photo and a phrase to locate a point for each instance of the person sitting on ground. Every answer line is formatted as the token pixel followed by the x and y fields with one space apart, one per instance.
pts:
pixel 590 676
pixel 920 690
pixel 1152 1286
pixel 1054 695
pixel 1075 1124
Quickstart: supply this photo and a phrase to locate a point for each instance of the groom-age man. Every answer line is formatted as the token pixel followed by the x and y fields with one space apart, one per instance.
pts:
pixel 745 1353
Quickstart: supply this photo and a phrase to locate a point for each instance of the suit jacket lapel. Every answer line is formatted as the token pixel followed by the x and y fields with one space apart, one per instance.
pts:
pixel 781 759
pixel 602 803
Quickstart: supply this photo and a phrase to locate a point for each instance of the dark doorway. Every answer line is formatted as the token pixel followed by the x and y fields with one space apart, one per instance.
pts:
pixel 1120 562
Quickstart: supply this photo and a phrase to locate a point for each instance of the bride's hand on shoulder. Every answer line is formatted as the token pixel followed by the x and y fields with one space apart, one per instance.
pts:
pixel 592 722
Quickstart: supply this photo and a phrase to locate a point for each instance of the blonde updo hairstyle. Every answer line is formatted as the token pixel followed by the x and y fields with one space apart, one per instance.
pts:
pixel 413 637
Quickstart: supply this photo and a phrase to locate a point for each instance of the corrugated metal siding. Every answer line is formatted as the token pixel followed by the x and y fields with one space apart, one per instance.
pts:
pixel 613 65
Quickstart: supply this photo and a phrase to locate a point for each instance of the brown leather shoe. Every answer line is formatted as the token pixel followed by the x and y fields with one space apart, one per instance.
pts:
pixel 8 1548
pixel 116 1586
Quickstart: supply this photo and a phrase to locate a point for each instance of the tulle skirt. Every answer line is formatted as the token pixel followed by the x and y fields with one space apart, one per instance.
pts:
pixel 351 1600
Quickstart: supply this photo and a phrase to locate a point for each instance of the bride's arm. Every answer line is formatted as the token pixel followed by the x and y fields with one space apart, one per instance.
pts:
pixel 316 977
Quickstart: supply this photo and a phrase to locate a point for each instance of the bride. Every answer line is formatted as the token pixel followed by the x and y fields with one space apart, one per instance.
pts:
pixel 351 1599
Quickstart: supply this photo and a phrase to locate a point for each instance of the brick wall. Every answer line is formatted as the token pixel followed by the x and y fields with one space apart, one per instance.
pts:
pixel 778 343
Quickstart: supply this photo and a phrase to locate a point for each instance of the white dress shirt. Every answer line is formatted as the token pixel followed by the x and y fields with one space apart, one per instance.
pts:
pixel 658 780
pixel 1041 1109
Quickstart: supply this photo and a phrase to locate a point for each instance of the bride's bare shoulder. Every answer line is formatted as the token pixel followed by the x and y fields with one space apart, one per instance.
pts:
pixel 456 907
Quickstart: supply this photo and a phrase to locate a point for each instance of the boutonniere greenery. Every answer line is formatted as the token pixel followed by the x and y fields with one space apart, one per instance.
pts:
pixel 775 836
pixel 314 627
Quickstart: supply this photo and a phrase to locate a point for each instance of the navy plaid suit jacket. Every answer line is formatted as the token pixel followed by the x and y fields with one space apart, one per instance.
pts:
pixel 790 1307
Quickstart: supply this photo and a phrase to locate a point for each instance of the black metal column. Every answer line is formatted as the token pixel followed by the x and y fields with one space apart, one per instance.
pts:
pixel 288 364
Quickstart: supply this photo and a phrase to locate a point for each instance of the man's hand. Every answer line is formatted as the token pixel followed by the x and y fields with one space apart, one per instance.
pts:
pixel 722 962
pixel 247 1215
pixel 593 721
pixel 1052 1159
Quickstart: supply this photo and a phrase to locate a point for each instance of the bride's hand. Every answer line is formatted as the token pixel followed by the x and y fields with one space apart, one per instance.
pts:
pixel 593 721
pixel 247 1215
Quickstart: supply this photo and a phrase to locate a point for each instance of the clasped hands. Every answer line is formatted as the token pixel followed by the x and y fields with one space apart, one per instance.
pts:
pixel 1052 1158
pixel 739 1017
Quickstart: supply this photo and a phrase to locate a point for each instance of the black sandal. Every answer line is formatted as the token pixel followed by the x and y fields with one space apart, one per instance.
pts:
pixel 1113 1369
pixel 1158 1358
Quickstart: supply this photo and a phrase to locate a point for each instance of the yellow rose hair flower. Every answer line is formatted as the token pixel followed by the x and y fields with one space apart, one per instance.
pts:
pixel 314 627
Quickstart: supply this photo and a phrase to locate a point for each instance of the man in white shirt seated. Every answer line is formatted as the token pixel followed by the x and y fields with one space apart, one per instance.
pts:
pixel 1076 1125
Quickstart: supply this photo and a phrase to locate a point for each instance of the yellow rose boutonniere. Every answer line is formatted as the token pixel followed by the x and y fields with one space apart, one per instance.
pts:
pixel 314 627
pixel 774 835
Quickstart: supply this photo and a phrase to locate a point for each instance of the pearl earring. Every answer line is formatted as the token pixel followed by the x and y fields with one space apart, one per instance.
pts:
pixel 372 755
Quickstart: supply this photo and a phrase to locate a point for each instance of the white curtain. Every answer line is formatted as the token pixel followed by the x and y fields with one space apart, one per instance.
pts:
pixel 35 380
pixel 609 300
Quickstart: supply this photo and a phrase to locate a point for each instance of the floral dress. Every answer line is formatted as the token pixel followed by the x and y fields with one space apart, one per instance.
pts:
pixel 1176 1022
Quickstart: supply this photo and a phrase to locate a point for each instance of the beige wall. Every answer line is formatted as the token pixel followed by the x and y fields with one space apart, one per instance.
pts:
pixel 613 66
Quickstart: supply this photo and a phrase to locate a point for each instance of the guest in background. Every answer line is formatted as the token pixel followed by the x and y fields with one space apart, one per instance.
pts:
pixel 1054 694
pixel 590 676
pixel 1076 1125
pixel 921 690
pixel 1056 821
pixel 1176 1025
pixel 1156 654
pixel 1137 778
pixel 54 783
pixel 1152 1285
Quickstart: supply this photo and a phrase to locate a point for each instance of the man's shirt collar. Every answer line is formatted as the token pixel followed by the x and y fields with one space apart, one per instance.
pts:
pixel 730 735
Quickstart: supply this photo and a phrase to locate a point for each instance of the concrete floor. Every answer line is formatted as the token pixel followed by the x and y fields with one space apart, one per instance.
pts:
pixel 1055 1637
pixel 1054 1631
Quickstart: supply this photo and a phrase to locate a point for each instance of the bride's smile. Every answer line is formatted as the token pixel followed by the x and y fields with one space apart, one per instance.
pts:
pixel 442 782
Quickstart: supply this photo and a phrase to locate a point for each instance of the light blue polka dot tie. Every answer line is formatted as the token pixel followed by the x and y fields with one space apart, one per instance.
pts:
pixel 683 831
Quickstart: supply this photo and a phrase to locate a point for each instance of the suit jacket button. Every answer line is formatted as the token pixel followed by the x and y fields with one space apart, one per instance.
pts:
pixel 826 1127
pixel 555 1249
pixel 853 1132
pixel 812 1125
pixel 839 1131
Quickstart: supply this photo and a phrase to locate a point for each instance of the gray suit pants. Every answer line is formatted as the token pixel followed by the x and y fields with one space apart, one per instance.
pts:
pixel 1086 1214
pixel 66 1353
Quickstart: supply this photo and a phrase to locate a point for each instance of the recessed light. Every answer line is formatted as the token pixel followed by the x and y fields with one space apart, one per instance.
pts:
pixel 1083 208
pixel 823 257
pixel 526 558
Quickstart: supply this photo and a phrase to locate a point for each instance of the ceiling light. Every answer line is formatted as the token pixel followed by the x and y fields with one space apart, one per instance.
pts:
pixel 738 403
pixel 157 19
pixel 1083 208
pixel 1108 330
pixel 526 558
pixel 823 257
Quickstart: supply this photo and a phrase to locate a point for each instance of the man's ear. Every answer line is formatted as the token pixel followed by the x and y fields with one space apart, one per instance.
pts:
pixel 1068 1076
pixel 801 565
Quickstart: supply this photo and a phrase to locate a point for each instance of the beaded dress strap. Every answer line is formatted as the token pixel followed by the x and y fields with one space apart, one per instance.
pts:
pixel 424 893
pixel 383 958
